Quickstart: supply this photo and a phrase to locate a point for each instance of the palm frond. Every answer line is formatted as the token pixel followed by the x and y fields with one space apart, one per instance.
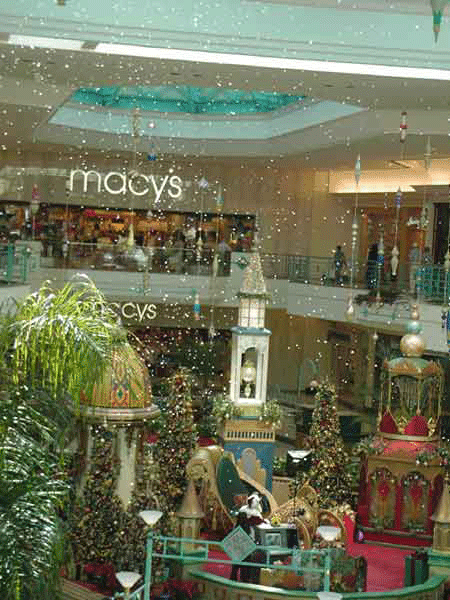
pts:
pixel 33 492
pixel 64 339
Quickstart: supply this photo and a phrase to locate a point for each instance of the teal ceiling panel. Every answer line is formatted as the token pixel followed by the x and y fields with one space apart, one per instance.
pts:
pixel 185 112
pixel 185 99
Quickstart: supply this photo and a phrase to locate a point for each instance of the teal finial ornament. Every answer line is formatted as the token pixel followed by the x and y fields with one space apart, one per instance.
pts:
pixel 437 6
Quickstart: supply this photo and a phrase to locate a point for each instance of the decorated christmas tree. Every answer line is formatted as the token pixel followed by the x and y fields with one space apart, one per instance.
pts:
pixel 103 531
pixel 176 442
pixel 329 474
pixel 98 512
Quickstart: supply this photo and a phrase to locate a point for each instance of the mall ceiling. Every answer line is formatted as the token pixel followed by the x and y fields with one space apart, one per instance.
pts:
pixel 347 113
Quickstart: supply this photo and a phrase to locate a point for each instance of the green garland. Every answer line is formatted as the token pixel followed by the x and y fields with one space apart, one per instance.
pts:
pixel 441 453
pixel 223 409
pixel 270 413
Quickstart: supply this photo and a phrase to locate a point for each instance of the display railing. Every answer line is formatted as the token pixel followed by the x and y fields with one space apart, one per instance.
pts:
pixel 314 564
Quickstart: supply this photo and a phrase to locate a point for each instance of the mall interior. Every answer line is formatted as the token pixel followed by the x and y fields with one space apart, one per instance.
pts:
pixel 271 139
pixel 155 147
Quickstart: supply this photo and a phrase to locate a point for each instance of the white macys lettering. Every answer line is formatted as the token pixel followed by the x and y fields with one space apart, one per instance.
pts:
pixel 116 183
pixel 135 311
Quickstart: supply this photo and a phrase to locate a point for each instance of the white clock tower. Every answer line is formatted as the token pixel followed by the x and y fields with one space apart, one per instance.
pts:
pixel 248 437
pixel 250 342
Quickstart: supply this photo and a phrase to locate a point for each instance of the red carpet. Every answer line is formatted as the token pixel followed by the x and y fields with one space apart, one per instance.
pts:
pixel 385 565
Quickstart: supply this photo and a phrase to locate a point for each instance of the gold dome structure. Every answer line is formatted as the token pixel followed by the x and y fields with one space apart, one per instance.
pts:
pixel 123 393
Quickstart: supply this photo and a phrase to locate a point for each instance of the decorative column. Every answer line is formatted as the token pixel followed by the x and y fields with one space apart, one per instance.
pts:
pixel 248 381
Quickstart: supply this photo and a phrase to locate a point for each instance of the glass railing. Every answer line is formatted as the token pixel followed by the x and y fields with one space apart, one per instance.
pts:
pixel 15 263
pixel 164 259
pixel 427 282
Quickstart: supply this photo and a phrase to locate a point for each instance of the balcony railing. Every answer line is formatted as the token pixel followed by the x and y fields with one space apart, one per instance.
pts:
pixel 15 263
pixel 428 282
pixel 137 258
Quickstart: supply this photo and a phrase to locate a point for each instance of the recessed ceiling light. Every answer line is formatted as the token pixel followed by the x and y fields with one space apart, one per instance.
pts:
pixel 274 62
pixel 45 42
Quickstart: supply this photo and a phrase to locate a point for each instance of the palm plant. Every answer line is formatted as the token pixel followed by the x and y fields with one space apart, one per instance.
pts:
pixel 33 492
pixel 63 340
pixel 53 348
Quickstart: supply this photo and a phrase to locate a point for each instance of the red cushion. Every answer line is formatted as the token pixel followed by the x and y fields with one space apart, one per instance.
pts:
pixel 387 423
pixel 417 426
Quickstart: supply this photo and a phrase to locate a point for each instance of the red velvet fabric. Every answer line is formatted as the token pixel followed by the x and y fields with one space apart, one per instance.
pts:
pixel 406 448
pixel 206 441
pixel 387 424
pixel 417 426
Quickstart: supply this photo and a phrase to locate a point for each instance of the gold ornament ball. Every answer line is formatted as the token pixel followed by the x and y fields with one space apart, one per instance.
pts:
pixel 412 344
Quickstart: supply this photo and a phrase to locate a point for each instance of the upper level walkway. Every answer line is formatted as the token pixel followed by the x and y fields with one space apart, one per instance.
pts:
pixel 302 285
pixel 429 281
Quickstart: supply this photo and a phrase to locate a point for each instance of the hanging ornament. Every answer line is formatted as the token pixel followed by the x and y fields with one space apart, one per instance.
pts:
pixel 211 332
pixel 358 169
pixel 380 263
pixel 437 8
pixel 448 329
pixel 398 198
pixel 199 246
pixel 381 250
pixel 203 184
pixel 427 155
pixel 403 126
pixel 447 261
pixel 394 261
pixel 197 307
pixel 350 312
pixel 424 217
pixel 445 305
pixel 130 241
pixel 219 199
pixel 152 156
pixel 375 337
pixel 215 265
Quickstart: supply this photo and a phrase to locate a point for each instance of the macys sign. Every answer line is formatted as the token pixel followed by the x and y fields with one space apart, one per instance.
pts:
pixel 134 183
pixel 135 311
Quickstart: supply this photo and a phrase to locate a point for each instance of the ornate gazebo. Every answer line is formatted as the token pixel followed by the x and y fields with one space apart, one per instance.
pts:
pixel 401 476
pixel 122 404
